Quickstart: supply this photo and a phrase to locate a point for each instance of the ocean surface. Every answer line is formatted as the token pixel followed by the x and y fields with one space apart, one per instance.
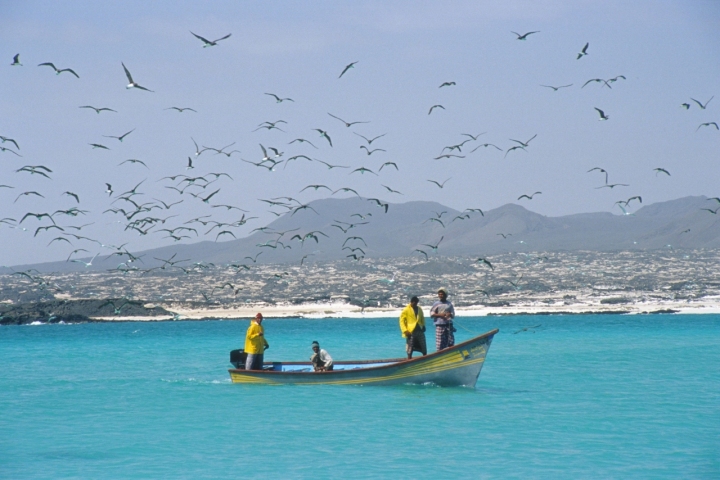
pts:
pixel 596 396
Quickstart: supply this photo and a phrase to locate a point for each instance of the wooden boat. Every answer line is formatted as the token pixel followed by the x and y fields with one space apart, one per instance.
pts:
pixel 459 365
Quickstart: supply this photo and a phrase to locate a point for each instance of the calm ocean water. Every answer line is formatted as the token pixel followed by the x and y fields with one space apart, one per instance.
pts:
pixel 582 397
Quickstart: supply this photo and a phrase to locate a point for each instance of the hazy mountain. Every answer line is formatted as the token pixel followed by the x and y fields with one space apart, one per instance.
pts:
pixel 408 226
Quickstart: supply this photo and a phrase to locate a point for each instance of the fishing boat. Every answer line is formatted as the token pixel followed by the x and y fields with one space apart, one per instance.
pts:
pixel 459 365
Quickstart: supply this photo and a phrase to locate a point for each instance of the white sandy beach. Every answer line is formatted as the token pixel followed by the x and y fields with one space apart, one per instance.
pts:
pixel 709 305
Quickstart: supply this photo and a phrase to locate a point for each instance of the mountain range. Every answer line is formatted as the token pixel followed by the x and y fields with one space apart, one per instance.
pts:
pixel 409 228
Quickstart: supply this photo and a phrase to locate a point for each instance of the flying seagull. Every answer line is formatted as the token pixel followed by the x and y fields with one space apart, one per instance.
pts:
pixel 16 61
pixel 441 185
pixel 659 170
pixel 132 83
pixel 347 124
pixel 347 67
pixel 121 137
pixel 323 133
pixel 486 262
pixel 583 52
pixel 98 110
pixel 446 84
pixel 181 109
pixel 59 71
pixel 370 140
pixel 434 107
pixel 700 104
pixel 707 124
pixel 529 197
pixel 278 99
pixel 602 114
pixel 557 88
pixel 524 35
pixel 602 170
pixel 210 43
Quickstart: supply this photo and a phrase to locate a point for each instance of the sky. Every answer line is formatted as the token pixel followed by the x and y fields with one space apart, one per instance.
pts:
pixel 404 50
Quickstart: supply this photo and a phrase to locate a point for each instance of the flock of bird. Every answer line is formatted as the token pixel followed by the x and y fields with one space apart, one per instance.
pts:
pixel 165 216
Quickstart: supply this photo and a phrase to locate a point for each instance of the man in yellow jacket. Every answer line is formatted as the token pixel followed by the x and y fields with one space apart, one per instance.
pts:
pixel 255 344
pixel 412 326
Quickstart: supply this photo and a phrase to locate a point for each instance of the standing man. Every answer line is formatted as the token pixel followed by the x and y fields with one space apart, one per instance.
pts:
pixel 255 344
pixel 443 313
pixel 412 326
pixel 321 359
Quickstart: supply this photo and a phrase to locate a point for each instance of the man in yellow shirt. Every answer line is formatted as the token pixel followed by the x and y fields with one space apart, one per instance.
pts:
pixel 255 344
pixel 412 326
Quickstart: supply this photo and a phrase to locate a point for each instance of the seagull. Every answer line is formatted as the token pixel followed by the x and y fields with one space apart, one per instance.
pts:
pixel 525 329
pixel 602 114
pixel 707 124
pixel 109 190
pixel 658 170
pixel 347 124
pixel 28 193
pixel 302 140
pixel 98 145
pixel 346 189
pixel 132 83
pixel 686 106
pixel 74 195
pixel 597 80
pixel 379 203
pixel 182 109
pixel 6 139
pixel 486 262
pixel 370 152
pixel 516 147
pixel 347 67
pixel 189 165
pixel 388 163
pixel 524 144
pixel 3 149
pixel 714 212
pixel 557 88
pixel 98 110
pixel 87 264
pixel 449 155
pixel 58 72
pixel 391 190
pixel 613 185
pixel 473 137
pixel 35 169
pixel 278 99
pixel 524 35
pixel 368 140
pixel 423 252
pixel 485 145
pixel 602 170
pixel 446 84
pixel 16 61
pixel 529 197
pixel 133 160
pixel 700 104
pixel 434 247
pixel 504 235
pixel 121 137
pixel 441 185
pixel 323 133
pixel 209 43
pixel 434 107
pixel 583 52
pixel 362 171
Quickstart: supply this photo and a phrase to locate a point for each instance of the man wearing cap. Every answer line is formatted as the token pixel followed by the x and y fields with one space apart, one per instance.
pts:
pixel 255 344
pixel 321 359
pixel 412 326
pixel 443 313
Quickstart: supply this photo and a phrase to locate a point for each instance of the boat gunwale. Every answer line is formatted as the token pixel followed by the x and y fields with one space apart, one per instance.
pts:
pixel 403 362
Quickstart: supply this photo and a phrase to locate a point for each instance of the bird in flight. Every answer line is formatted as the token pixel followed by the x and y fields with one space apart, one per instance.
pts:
pixel 209 43
pixel 278 99
pixel 707 124
pixel 524 35
pixel 391 190
pixel 602 114
pixel 347 124
pixel 661 170
pixel 524 144
pixel 613 185
pixel 362 171
pixel 370 152
pixel 423 252
pixel 121 137
pixel 323 133
pixel 347 67
pixel 447 84
pixel 529 197
pixel 525 329
pixel 368 140
pixel 59 71
pixel 16 61
pixel 602 170
pixel 441 185
pixel 700 104
pixel 486 262
pixel 605 82
pixel 6 139
pixel 434 247
pixel 557 88
pixel 504 235
pixel 132 83
pixel 583 52
pixel 98 110
pixel 182 109
pixel 388 164
pixel 434 107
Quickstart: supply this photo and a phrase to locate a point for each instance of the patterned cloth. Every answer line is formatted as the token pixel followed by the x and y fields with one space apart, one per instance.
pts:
pixel 254 361
pixel 416 341
pixel 444 336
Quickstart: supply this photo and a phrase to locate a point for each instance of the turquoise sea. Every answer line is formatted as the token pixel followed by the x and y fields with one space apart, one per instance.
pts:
pixel 597 396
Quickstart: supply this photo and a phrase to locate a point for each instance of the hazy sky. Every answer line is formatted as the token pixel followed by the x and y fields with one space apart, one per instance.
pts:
pixel 668 52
